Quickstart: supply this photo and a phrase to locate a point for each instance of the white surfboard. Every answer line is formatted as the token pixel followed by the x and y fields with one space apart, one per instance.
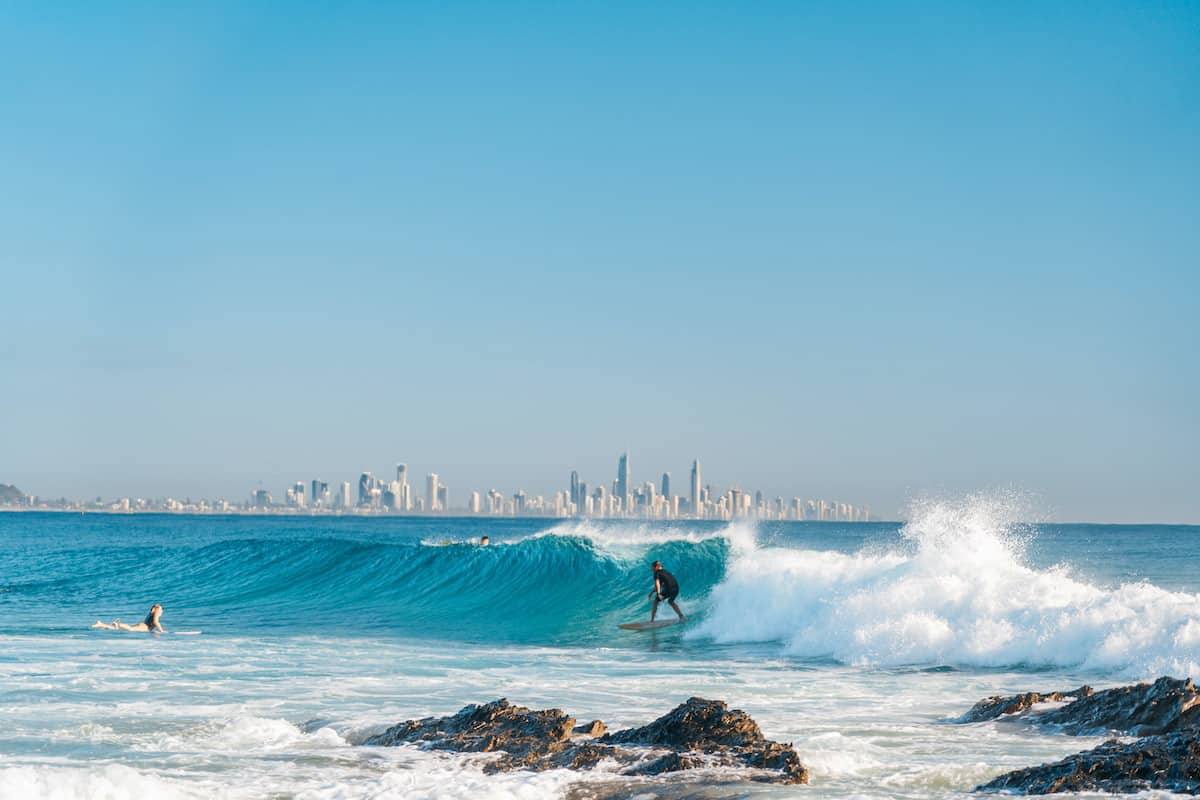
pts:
pixel 649 626
pixel 187 633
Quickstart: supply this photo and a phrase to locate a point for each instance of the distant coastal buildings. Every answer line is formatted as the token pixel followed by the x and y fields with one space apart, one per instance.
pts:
pixel 622 499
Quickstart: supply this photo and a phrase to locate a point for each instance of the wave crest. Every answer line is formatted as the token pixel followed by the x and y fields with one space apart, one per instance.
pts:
pixel 958 593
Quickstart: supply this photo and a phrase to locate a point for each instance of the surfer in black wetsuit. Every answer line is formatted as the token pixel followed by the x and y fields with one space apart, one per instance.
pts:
pixel 666 589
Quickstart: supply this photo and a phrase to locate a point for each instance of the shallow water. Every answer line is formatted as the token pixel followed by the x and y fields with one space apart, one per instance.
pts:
pixel 856 642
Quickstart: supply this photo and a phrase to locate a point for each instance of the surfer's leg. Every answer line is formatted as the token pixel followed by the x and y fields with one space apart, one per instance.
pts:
pixel 682 618
pixel 104 626
pixel 141 626
pixel 654 609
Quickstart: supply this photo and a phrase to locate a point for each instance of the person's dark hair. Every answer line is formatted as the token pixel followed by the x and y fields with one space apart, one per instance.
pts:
pixel 656 565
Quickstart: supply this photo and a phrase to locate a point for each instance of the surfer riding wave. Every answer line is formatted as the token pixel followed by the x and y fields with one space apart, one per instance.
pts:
pixel 666 589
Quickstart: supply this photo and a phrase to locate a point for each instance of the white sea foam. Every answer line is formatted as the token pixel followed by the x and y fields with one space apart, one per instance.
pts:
pixel 959 594
pixel 245 733
pixel 624 538
pixel 111 782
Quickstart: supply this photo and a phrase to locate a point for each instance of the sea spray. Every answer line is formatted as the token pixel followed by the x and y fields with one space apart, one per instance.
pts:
pixel 957 591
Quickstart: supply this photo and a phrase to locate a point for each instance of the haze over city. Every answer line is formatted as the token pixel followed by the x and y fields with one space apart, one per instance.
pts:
pixel 864 259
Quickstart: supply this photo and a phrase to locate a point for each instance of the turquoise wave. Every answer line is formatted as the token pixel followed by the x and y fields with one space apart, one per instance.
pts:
pixel 558 589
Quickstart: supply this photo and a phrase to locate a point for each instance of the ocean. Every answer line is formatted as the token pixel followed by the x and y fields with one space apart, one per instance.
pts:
pixel 859 643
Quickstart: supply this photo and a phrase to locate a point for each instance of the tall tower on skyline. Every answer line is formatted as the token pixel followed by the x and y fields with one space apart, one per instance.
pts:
pixel 364 489
pixel 666 485
pixel 431 492
pixel 623 477
pixel 695 488
pixel 402 474
pixel 575 488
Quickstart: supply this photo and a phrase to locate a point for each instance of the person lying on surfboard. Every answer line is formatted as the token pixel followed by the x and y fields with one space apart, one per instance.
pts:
pixel 151 624
pixel 666 589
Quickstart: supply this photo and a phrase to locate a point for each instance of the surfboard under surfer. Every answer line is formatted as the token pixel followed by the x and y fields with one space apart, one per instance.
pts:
pixel 666 589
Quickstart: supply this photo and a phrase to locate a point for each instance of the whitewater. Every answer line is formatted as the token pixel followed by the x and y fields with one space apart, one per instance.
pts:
pixel 856 642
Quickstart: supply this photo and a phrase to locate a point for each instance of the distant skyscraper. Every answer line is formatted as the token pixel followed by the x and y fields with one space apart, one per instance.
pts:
pixel 364 489
pixel 575 487
pixel 666 485
pixel 443 497
pixel 695 488
pixel 344 500
pixel 431 492
pixel 622 489
pixel 402 473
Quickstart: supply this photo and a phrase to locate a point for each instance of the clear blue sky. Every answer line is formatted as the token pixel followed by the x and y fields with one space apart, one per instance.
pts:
pixel 858 252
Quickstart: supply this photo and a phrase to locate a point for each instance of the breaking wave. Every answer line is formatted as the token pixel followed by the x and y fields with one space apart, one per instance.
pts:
pixel 956 591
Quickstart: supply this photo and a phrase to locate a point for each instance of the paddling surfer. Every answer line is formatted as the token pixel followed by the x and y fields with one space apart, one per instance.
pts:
pixel 152 623
pixel 666 589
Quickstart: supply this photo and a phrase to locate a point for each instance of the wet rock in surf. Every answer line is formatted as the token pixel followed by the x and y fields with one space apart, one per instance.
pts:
pixel 1168 704
pixel 525 737
pixel 1003 705
pixel 709 727
pixel 593 728
pixel 1168 762
pixel 699 733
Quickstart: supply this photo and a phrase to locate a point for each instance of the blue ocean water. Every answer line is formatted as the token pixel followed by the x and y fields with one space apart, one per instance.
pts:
pixel 855 641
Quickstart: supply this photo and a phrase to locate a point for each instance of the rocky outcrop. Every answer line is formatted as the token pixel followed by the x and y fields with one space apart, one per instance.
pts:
pixel 525 737
pixel 1002 705
pixel 708 726
pixel 1169 762
pixel 1168 704
pixel 699 733
pixel 1165 713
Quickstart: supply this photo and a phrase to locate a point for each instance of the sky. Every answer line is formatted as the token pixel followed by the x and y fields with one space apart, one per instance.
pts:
pixel 864 252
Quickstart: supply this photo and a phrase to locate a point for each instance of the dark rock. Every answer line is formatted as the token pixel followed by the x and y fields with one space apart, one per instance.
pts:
pixel 593 728
pixel 699 733
pixel 1169 762
pixel 698 724
pixel 1168 704
pixel 709 727
pixel 525 737
pixel 1001 705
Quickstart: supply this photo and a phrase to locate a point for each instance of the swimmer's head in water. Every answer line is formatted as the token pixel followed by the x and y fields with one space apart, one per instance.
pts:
pixel 485 541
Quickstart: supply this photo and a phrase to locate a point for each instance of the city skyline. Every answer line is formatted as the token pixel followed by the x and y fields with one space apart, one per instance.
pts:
pixel 379 495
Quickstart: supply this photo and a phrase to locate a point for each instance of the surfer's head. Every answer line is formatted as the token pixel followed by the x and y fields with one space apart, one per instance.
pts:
pixel 485 541
pixel 656 566
pixel 156 610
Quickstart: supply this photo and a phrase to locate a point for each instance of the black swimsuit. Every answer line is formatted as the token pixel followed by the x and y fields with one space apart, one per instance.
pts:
pixel 669 587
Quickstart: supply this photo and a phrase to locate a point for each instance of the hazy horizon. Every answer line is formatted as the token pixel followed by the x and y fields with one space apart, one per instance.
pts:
pixel 844 253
